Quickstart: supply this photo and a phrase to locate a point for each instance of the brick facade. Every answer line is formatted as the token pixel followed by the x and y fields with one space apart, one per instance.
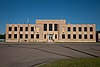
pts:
pixel 55 31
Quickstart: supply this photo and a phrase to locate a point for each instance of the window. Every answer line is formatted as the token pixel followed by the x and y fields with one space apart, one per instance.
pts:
pixel 85 28
pixel 32 35
pixel 45 27
pixel 85 36
pixel 37 36
pixel 68 36
pixel 32 28
pixel 44 36
pixel 55 36
pixel 74 36
pixel 21 28
pixel 91 28
pixel 50 27
pixel 10 28
pixel 55 27
pixel 80 29
pixel 9 36
pixel 15 28
pixel 21 35
pixel 74 28
pixel 68 28
pixel 26 36
pixel 26 28
pixel 63 36
pixel 15 35
pixel 91 36
pixel 80 36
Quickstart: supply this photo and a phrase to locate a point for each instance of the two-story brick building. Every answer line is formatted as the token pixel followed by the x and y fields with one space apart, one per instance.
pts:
pixel 50 31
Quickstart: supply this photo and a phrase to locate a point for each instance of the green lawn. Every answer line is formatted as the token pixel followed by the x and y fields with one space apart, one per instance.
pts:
pixel 82 62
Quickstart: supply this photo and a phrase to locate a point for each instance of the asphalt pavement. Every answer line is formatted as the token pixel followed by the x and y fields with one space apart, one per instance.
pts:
pixel 33 54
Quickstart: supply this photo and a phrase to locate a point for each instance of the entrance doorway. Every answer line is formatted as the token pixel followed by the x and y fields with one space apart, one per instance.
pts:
pixel 50 38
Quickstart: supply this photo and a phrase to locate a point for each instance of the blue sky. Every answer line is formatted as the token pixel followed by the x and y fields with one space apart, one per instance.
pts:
pixel 74 11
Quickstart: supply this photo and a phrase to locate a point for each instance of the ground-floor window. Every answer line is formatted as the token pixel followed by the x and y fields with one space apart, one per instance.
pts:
pixel 32 35
pixel 21 35
pixel 44 36
pixel 26 35
pixel 9 36
pixel 85 36
pixel 15 35
pixel 80 36
pixel 55 36
pixel 91 36
pixel 37 36
pixel 74 36
pixel 63 36
pixel 68 36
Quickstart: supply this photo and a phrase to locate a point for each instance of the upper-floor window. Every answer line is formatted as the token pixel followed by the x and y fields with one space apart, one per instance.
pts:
pixel 63 36
pixel 80 29
pixel 74 28
pixel 91 28
pixel 50 27
pixel 68 28
pixel 15 35
pixel 69 36
pixel 85 36
pixel 32 28
pixel 15 28
pixel 32 35
pixel 85 28
pixel 74 36
pixel 55 27
pixel 45 27
pixel 10 28
pixel 37 36
pixel 21 28
pixel 9 36
pixel 26 28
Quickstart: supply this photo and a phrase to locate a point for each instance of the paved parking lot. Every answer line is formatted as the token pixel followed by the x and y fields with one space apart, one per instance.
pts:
pixel 29 54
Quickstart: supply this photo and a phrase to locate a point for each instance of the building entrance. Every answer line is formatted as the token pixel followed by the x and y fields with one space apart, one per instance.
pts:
pixel 50 38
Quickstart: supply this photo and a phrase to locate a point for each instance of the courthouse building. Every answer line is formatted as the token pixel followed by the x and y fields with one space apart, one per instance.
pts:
pixel 50 31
